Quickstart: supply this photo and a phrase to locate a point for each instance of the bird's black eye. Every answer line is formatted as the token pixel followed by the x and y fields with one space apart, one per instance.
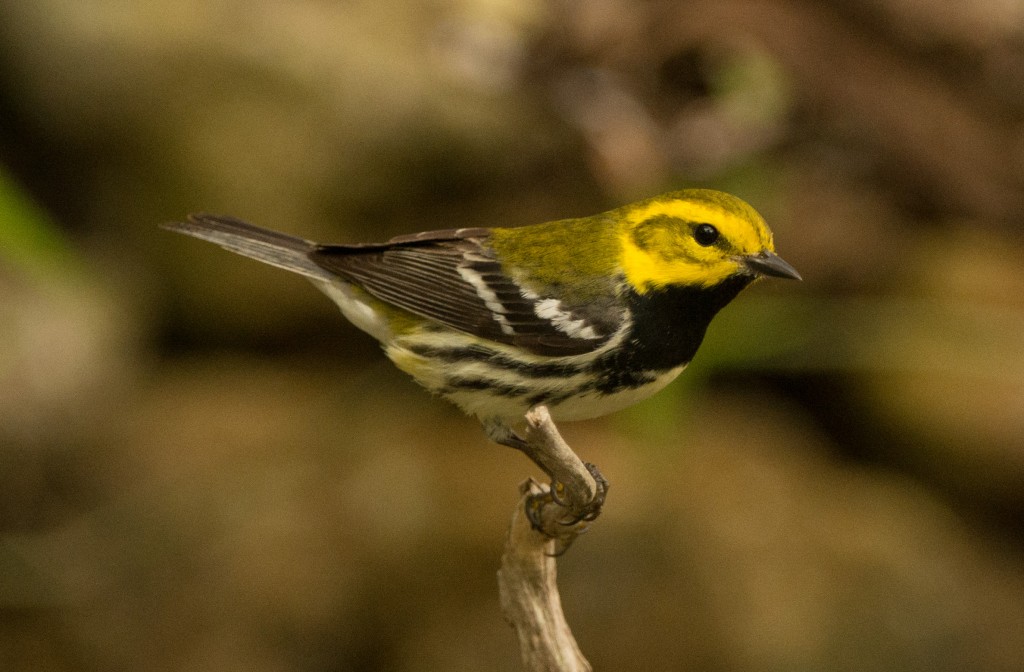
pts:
pixel 705 235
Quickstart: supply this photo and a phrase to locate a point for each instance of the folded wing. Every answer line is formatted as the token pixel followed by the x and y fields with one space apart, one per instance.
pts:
pixel 452 277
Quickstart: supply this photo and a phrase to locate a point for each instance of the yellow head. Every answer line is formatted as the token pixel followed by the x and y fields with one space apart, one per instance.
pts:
pixel 695 237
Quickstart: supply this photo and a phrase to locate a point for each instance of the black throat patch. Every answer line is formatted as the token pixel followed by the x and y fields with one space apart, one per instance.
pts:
pixel 668 327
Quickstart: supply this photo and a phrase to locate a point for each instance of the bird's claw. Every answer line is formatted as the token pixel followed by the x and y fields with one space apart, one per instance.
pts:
pixel 575 513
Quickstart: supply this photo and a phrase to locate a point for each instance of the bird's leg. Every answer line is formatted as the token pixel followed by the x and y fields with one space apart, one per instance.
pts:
pixel 577 490
pixel 576 485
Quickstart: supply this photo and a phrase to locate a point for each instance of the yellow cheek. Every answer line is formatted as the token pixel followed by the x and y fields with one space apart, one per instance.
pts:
pixel 646 271
pixel 742 226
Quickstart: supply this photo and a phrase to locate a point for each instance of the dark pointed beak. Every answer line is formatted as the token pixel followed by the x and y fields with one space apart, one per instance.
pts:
pixel 769 263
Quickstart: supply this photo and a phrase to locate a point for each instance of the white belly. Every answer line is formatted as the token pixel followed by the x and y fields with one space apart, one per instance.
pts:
pixel 594 405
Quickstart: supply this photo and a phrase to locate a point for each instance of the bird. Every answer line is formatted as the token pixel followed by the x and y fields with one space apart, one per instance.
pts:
pixel 584 316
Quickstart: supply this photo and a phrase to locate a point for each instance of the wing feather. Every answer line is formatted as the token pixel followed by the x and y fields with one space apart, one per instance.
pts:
pixel 452 277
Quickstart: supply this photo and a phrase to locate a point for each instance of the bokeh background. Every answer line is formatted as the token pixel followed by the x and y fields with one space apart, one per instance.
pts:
pixel 203 467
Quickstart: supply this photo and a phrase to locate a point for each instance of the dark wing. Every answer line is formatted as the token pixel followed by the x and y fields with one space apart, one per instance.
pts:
pixel 453 277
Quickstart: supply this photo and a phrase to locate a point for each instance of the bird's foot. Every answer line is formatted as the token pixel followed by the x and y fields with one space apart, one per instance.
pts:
pixel 587 511
pixel 552 513
pixel 577 491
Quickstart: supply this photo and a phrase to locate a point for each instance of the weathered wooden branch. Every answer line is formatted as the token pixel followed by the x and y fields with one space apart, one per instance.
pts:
pixel 529 594
pixel 543 525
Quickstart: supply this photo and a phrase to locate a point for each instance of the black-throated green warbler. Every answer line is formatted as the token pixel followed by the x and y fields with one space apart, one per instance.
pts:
pixel 586 316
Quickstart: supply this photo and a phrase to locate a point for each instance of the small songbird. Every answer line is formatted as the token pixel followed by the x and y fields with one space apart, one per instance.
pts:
pixel 585 316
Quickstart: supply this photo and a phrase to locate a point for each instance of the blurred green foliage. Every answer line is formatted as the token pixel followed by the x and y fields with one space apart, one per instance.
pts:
pixel 29 239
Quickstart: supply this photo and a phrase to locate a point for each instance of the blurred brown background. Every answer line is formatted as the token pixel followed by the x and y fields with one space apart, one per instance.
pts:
pixel 203 467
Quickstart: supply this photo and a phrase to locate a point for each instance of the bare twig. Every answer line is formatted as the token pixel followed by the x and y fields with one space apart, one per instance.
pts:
pixel 529 594
pixel 543 525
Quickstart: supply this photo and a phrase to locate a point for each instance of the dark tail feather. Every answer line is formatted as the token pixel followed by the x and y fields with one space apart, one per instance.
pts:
pixel 270 247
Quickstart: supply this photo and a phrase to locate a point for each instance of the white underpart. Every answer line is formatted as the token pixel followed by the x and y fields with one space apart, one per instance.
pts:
pixel 356 311
pixel 583 407
pixel 489 298
pixel 433 373
pixel 594 405
pixel 551 310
